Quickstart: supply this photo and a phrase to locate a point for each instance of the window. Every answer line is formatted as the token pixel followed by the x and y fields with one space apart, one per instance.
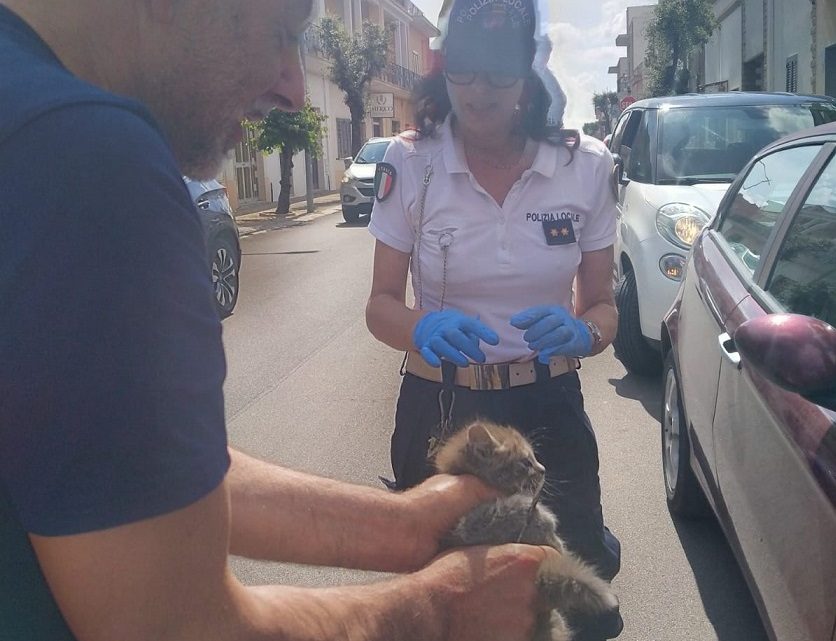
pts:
pixel 343 137
pixel 396 127
pixel 639 166
pixel 377 127
pixel 792 73
pixel 804 277
pixel 415 62
pixel 748 222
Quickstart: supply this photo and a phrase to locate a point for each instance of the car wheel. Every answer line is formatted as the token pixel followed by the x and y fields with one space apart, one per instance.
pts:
pixel 684 494
pixel 226 264
pixel 631 348
pixel 351 215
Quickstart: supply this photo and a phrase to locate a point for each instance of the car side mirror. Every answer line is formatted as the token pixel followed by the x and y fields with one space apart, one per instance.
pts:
pixel 797 353
pixel 347 161
pixel 618 172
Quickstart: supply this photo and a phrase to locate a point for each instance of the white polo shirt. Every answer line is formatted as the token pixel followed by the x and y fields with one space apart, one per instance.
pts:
pixel 500 260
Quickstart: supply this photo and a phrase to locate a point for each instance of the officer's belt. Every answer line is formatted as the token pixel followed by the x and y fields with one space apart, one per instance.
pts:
pixel 496 376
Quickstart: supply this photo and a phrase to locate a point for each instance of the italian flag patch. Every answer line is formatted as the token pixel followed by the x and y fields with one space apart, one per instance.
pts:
pixel 384 180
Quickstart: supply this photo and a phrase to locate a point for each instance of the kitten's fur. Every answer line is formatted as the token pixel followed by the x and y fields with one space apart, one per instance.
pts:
pixel 504 459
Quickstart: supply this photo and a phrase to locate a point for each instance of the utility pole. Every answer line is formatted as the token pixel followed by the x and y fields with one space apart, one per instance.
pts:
pixel 308 161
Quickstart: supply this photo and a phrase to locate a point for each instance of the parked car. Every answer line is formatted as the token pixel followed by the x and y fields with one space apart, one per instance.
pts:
pixel 357 187
pixel 748 417
pixel 675 158
pixel 210 198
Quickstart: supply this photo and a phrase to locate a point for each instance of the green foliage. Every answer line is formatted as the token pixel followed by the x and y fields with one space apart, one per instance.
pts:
pixel 676 29
pixel 355 60
pixel 591 128
pixel 606 109
pixel 292 132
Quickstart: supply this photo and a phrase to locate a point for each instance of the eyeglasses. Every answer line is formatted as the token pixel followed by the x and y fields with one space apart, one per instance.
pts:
pixel 495 80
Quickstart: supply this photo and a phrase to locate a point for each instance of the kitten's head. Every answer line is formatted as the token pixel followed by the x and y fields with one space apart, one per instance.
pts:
pixel 500 456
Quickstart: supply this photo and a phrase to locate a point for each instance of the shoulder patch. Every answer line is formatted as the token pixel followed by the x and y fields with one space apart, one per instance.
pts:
pixel 384 180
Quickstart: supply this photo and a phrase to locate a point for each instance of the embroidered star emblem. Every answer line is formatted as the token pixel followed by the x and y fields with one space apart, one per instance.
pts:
pixel 564 232
pixel 553 232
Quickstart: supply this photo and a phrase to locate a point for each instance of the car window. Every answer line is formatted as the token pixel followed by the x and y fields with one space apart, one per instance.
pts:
pixel 638 168
pixel 372 152
pixel 803 279
pixel 631 127
pixel 618 132
pixel 712 144
pixel 758 205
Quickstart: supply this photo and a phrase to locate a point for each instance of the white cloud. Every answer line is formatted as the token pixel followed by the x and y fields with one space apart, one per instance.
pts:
pixel 583 54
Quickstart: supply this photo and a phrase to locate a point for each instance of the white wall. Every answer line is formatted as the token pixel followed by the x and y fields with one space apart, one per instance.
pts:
pixel 790 35
pixel 754 29
pixel 723 52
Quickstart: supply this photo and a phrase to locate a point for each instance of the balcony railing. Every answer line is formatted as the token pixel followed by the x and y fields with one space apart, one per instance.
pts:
pixel 399 76
pixel 392 73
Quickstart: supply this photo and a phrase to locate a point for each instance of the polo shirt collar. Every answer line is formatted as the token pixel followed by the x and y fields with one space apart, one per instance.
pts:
pixel 545 161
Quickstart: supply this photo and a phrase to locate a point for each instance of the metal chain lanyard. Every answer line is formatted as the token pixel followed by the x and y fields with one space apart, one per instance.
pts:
pixel 447 393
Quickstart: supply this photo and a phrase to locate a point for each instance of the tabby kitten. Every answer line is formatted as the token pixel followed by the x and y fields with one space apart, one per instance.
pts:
pixel 503 458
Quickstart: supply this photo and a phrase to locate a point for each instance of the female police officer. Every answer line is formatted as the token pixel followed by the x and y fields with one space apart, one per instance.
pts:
pixel 497 214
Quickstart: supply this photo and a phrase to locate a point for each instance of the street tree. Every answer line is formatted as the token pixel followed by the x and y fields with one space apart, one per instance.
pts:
pixel 355 60
pixel 289 133
pixel 591 128
pixel 676 29
pixel 606 109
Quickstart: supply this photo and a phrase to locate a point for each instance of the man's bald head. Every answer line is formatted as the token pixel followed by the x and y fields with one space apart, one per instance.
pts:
pixel 200 66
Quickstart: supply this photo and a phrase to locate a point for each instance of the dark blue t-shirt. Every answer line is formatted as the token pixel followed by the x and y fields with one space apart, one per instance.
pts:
pixel 111 363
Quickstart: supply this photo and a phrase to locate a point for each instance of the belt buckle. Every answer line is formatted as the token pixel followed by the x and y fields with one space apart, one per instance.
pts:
pixel 490 377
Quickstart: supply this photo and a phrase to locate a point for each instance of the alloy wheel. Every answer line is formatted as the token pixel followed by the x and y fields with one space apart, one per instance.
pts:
pixel 671 431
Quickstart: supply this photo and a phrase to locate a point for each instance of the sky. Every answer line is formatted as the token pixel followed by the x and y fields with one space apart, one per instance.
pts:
pixel 583 34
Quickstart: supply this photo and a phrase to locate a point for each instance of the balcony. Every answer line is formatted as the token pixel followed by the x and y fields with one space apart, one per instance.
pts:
pixel 392 73
pixel 399 76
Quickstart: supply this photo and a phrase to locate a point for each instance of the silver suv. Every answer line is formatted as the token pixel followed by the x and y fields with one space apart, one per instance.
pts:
pixel 357 187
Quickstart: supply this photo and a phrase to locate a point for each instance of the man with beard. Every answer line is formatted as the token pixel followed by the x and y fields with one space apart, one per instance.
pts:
pixel 119 498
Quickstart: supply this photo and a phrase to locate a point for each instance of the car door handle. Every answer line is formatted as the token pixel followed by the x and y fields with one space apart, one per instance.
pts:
pixel 729 349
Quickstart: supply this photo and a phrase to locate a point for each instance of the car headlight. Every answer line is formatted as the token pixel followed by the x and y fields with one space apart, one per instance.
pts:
pixel 347 177
pixel 681 223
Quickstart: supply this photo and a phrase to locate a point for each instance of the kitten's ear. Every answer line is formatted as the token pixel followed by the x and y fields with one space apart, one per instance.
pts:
pixel 480 436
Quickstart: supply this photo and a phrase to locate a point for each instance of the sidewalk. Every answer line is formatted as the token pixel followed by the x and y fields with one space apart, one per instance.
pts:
pixel 262 216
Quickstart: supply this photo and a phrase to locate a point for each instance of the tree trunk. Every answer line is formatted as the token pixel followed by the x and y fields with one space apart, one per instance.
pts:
pixel 357 111
pixel 286 160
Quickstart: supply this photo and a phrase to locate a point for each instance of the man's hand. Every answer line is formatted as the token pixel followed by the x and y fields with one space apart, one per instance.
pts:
pixel 436 505
pixel 486 593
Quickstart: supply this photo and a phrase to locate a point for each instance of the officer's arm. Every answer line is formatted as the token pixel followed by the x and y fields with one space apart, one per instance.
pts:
pixel 387 316
pixel 167 579
pixel 594 294
pixel 283 515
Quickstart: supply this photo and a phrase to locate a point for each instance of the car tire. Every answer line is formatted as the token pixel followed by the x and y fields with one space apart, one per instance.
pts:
pixel 684 494
pixel 225 261
pixel 351 215
pixel 631 348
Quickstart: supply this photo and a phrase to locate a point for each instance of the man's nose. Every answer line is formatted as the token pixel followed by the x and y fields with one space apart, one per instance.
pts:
pixel 289 90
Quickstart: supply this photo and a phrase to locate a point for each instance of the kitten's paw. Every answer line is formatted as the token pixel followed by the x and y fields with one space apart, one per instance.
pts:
pixel 567 583
pixel 552 627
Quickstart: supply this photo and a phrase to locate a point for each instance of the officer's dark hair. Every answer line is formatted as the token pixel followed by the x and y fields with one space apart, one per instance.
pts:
pixel 432 105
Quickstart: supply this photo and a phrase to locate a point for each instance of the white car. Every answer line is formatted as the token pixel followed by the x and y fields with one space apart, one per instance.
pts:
pixel 675 158
pixel 357 186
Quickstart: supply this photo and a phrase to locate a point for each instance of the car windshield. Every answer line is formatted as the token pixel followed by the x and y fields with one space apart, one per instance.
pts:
pixel 372 152
pixel 712 144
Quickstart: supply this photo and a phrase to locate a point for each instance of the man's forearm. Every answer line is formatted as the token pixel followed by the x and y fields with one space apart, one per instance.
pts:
pixel 273 518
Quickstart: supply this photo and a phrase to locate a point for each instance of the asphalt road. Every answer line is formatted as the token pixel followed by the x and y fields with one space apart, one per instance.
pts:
pixel 309 388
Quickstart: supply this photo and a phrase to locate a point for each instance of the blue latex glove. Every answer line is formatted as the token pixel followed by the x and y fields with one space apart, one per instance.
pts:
pixel 552 331
pixel 453 336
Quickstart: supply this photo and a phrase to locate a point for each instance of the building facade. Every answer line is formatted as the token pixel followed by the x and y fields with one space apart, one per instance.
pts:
pixel 772 45
pixel 630 69
pixel 252 177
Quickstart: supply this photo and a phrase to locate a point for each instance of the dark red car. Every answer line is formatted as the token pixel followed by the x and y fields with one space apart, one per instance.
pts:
pixel 748 420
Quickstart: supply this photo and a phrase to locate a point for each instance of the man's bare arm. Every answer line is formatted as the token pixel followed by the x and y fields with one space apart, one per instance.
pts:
pixel 282 515
pixel 167 579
